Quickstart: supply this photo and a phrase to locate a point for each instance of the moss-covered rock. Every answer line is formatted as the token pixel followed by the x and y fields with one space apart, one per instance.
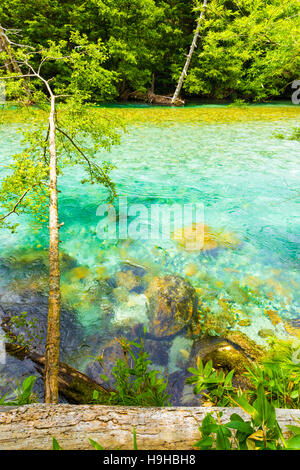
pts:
pixel 200 237
pixel 245 322
pixel 238 293
pixel 226 357
pixel 38 259
pixel 128 280
pixel 252 350
pixel 172 305
pixel 266 333
pixel 214 324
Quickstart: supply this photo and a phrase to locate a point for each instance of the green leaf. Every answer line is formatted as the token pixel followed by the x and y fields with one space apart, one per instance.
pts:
pixel 294 429
pixel 222 441
pixel 243 427
pixel 294 443
pixel 205 444
pixel 135 446
pixel 96 445
pixel 55 444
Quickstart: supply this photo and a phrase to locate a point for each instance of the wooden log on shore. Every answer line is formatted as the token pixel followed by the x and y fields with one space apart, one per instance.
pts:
pixel 32 427
pixel 152 98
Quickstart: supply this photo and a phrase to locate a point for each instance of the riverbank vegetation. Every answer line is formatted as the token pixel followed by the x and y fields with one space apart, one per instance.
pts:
pixel 247 48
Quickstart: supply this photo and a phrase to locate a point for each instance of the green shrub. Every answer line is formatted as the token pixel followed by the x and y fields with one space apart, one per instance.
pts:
pixel 23 394
pixel 278 372
pixel 136 384
pixel 261 432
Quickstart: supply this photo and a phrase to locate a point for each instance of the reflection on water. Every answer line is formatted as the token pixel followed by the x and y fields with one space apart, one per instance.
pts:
pixel 248 274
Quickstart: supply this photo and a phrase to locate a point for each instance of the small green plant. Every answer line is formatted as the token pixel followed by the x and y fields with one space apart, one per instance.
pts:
pixel 262 432
pixel 278 372
pixel 214 385
pixel 295 135
pixel 136 384
pixel 55 444
pixel 22 328
pixel 23 394
pixel 96 445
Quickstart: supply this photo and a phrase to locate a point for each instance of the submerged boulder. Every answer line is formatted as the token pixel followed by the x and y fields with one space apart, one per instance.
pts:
pixel 226 357
pixel 250 348
pixel 200 237
pixel 172 305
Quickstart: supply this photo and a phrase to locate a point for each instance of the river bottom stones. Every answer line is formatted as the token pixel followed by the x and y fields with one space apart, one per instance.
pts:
pixel 172 305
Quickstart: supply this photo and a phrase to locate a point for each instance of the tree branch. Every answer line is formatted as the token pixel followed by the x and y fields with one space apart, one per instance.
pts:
pixel 90 164
pixel 17 204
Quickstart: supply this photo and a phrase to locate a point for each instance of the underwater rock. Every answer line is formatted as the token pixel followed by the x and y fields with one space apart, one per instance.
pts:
pixel 179 354
pixel 274 318
pixel 30 260
pixel 202 347
pixel 265 333
pixel 235 348
pixel 111 352
pixel 246 322
pixel 128 280
pixel 191 270
pixel 238 294
pixel 214 323
pixel 172 305
pixel 78 273
pixel 200 237
pixel 252 350
pixel 120 294
pixel 136 269
pixel 227 357
pixel 134 311
pixel 177 387
pixel 36 307
pixel 158 351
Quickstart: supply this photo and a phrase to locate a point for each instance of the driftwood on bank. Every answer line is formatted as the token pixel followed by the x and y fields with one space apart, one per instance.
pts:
pixel 32 427
pixel 152 98
pixel 75 386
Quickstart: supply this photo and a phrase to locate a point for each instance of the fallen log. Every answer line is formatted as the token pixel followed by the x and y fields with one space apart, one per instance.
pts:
pixel 32 427
pixel 75 386
pixel 152 98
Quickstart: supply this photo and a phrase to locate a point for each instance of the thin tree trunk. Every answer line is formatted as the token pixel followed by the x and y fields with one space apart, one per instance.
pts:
pixel 11 66
pixel 189 57
pixel 4 47
pixel 52 347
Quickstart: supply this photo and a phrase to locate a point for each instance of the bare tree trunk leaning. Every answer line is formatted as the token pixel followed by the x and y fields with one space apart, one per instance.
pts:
pixel 32 427
pixel 11 66
pixel 52 347
pixel 189 57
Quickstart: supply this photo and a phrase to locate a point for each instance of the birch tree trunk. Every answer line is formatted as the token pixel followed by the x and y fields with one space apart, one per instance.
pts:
pixel 189 57
pixel 11 66
pixel 52 346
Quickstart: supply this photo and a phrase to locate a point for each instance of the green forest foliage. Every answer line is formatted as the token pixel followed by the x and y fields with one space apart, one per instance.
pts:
pixel 248 49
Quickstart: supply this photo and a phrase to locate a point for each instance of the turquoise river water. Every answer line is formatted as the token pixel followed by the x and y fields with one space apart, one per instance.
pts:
pixel 247 182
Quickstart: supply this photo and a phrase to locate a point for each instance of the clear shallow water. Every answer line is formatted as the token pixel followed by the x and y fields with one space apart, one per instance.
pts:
pixel 248 182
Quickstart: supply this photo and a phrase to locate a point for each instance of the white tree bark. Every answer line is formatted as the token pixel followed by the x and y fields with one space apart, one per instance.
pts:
pixel 190 54
pixel 53 333
pixel 32 427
